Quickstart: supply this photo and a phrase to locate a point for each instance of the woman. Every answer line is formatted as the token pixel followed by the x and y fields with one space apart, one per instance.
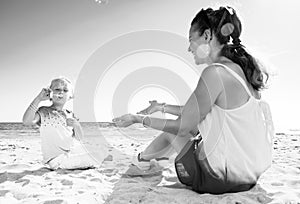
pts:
pixel 225 107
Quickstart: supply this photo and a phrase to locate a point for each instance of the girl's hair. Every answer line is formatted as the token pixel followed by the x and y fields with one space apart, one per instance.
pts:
pixel 61 79
pixel 225 25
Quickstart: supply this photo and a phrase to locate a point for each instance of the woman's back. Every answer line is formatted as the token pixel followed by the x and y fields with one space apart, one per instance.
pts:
pixel 234 93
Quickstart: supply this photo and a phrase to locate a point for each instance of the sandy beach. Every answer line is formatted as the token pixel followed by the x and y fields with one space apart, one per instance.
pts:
pixel 24 179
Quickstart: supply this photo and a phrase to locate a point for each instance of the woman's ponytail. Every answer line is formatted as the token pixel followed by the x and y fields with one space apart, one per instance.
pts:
pixel 237 53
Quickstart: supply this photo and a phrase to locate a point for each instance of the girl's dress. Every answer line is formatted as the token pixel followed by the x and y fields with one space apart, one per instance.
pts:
pixel 59 148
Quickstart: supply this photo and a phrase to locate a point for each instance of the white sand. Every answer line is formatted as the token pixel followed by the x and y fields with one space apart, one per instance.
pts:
pixel 23 178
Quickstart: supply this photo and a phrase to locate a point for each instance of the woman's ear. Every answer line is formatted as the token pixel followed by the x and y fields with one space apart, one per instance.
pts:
pixel 207 35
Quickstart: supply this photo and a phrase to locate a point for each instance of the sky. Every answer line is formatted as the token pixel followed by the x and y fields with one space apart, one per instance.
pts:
pixel 121 54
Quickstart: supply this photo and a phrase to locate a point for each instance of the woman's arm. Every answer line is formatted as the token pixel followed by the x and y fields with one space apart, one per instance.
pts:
pixel 162 107
pixel 208 89
pixel 165 108
pixel 195 110
pixel 172 109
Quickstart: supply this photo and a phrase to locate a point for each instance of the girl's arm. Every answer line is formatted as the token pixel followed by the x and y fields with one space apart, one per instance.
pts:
pixel 31 117
pixel 78 132
pixel 195 110
pixel 77 129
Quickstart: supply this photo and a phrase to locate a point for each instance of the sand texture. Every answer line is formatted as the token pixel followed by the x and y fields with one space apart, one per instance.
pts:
pixel 24 179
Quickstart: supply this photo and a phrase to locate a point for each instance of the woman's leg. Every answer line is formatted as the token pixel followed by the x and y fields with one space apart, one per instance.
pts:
pixel 164 145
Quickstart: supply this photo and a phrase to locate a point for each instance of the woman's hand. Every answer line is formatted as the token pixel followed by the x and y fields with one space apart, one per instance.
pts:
pixel 126 120
pixel 154 107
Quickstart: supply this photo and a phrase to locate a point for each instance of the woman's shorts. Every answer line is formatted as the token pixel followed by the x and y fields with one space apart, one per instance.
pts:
pixel 199 175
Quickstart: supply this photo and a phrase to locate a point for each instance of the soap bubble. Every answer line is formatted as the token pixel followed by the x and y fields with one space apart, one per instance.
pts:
pixel 101 1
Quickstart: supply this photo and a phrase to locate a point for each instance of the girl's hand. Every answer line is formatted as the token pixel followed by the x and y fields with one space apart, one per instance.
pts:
pixel 126 120
pixel 44 94
pixel 154 107
pixel 72 122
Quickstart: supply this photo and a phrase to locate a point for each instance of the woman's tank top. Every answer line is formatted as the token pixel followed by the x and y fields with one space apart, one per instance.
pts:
pixel 238 142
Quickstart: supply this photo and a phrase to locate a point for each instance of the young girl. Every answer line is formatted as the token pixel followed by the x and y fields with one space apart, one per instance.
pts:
pixel 59 129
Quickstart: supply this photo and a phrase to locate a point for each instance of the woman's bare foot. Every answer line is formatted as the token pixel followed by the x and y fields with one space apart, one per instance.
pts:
pixel 154 107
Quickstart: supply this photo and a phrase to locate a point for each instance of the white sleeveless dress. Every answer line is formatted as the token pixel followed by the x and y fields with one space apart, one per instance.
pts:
pixel 59 148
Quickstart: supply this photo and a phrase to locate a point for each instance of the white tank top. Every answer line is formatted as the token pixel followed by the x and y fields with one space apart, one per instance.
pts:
pixel 238 142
